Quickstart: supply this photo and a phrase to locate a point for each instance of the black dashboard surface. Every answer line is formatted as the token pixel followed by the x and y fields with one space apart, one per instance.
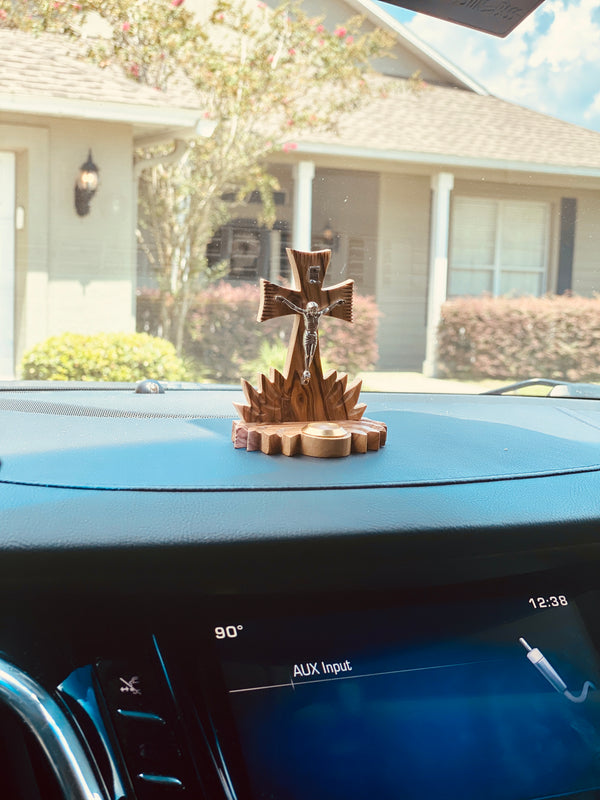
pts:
pixel 180 440
pixel 134 534
pixel 128 477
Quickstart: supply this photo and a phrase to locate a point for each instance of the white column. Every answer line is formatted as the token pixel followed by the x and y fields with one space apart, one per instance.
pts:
pixel 275 263
pixel 304 172
pixel 7 265
pixel 441 186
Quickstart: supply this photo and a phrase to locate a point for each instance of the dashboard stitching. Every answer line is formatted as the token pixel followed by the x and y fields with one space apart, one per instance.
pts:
pixel 339 487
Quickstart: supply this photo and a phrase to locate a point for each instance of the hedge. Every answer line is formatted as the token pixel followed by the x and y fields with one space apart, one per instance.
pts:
pixel 126 357
pixel 556 336
pixel 223 336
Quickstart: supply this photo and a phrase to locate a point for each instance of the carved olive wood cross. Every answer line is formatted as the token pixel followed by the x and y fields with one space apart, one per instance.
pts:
pixel 309 271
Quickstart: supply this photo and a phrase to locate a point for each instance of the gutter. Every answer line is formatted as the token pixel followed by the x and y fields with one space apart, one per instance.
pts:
pixel 165 116
pixel 169 158
pixel 444 160
pixel 203 128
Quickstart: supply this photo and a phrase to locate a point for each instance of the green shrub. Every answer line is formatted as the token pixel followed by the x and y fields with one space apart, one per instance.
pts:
pixel 352 348
pixel 102 357
pixel 516 338
pixel 225 341
pixel 271 354
pixel 223 333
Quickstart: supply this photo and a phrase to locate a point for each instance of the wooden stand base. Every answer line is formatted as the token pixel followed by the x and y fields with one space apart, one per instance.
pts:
pixel 324 439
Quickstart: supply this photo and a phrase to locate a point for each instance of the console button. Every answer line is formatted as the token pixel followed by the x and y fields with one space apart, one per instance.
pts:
pixel 133 686
pixel 145 722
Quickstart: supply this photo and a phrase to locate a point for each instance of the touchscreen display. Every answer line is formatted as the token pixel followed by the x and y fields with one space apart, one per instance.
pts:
pixel 486 698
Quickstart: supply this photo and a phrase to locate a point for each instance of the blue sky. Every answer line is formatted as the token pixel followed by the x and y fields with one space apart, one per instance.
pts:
pixel 550 62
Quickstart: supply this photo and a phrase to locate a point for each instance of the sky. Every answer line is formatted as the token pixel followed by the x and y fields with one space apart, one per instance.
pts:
pixel 550 62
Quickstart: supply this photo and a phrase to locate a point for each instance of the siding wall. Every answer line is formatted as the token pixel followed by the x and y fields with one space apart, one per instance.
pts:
pixel 402 64
pixel 586 260
pixel 92 276
pixel 73 273
pixel 336 12
pixel 349 199
pixel 402 273
pixel 404 205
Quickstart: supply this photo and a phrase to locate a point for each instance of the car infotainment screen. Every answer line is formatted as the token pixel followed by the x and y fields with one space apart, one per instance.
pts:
pixel 490 697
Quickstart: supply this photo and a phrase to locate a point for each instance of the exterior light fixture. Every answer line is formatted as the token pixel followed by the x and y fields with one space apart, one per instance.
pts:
pixel 86 186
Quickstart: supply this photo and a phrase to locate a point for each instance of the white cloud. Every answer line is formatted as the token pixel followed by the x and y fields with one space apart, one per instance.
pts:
pixel 549 62
pixel 459 45
pixel 572 38
pixel 593 110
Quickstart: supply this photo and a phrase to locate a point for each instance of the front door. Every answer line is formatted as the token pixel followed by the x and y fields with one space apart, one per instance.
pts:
pixel 7 264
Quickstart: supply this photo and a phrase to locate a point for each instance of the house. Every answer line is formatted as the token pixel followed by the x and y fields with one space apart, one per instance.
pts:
pixel 425 196
pixel 421 196
pixel 58 270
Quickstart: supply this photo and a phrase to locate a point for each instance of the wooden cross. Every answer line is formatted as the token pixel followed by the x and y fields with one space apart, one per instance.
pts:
pixel 309 270
pixel 275 419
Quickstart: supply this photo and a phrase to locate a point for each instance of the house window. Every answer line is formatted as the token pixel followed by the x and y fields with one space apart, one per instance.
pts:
pixel 499 247
pixel 245 253
pixel 251 251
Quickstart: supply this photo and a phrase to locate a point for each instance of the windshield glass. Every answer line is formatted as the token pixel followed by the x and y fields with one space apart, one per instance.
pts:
pixel 159 159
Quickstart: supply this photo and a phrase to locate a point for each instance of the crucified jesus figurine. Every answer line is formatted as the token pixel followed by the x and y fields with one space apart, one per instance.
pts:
pixel 303 378
pixel 312 314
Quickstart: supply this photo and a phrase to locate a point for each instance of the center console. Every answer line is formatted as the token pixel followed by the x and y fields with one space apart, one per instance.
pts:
pixel 478 690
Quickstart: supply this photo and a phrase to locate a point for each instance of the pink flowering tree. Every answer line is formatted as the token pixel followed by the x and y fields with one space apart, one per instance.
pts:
pixel 261 77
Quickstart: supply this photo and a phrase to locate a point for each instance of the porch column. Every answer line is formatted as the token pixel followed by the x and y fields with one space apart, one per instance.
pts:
pixel 304 172
pixel 441 188
pixel 275 256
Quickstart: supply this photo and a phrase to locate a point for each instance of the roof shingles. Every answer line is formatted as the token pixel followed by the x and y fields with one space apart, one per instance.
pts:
pixel 435 122
pixel 42 66
pixel 457 123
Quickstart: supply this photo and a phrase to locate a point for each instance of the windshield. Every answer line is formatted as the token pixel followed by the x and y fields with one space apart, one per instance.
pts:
pixel 160 159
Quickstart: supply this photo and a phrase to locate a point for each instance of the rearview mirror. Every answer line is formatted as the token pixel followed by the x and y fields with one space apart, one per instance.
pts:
pixel 498 17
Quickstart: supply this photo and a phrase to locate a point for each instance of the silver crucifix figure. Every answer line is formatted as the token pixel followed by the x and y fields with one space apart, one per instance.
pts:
pixel 312 314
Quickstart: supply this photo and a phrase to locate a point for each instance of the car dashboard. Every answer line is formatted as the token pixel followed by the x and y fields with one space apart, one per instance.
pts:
pixel 181 619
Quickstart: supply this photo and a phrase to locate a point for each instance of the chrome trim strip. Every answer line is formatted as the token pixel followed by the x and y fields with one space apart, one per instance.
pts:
pixel 50 726
pixel 161 780
pixel 141 716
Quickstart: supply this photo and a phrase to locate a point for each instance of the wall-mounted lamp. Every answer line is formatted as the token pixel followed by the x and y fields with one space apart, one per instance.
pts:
pixel 86 186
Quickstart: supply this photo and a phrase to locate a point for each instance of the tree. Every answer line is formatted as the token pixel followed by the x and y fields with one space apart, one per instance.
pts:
pixel 261 76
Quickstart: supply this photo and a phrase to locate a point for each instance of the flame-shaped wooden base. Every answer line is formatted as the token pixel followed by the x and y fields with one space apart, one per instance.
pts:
pixel 294 438
pixel 288 400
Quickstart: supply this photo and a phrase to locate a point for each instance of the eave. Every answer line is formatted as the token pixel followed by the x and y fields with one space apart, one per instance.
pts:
pixel 145 119
pixel 443 161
